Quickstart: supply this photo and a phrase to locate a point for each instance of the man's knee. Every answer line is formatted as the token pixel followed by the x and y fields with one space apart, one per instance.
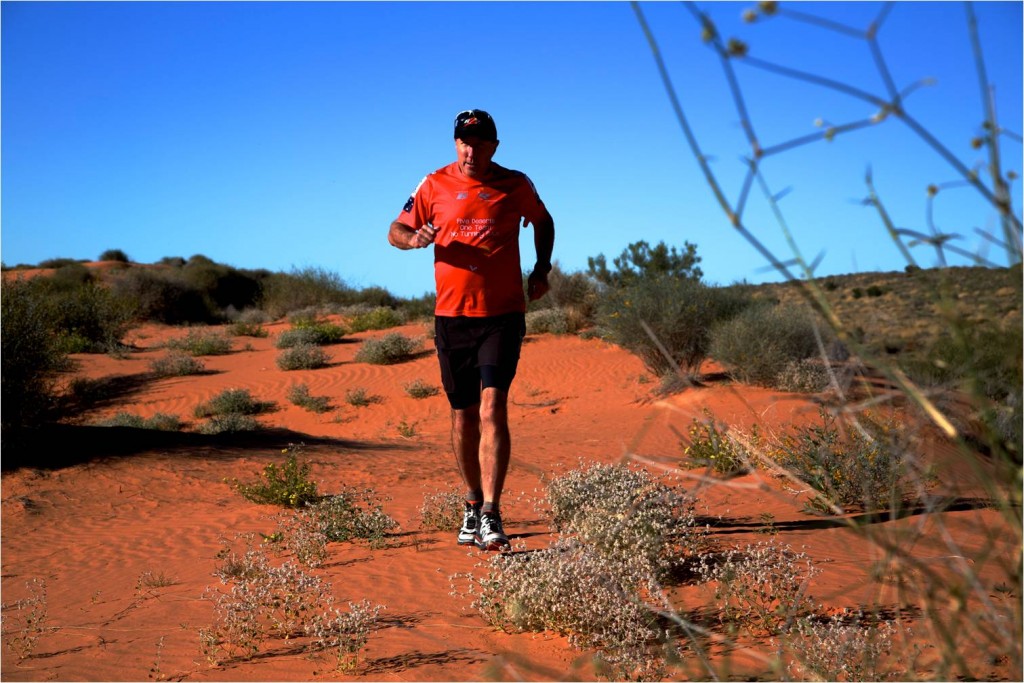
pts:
pixel 494 406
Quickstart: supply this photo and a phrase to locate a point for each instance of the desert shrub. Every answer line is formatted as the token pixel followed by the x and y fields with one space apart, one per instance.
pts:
pixel 639 261
pixel 173 261
pixel 303 356
pixel 176 364
pixel 31 355
pixel 223 286
pixel 679 312
pixel 230 423
pixel 58 262
pixel 317 332
pixel 301 288
pixel 441 510
pixel 300 396
pixel 359 397
pixel 232 402
pixel 163 297
pixel 352 513
pixel 344 634
pixel 711 446
pixel 624 514
pixel 866 466
pixel 88 318
pixel 758 344
pixel 761 587
pixel 419 388
pixel 842 647
pixel 114 255
pixel 390 349
pixel 241 328
pixel 258 601
pixel 200 343
pixel 160 422
pixel 547 320
pixel 71 276
pixel 380 318
pixel 572 589
pixel 287 485
pixel 806 376
pixel 576 294
pixel 419 308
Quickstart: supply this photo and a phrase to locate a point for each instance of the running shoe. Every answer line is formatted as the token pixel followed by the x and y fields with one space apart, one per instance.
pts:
pixel 470 524
pixel 491 536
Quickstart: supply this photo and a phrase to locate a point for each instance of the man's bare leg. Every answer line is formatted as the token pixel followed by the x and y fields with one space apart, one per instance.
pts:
pixel 495 444
pixel 466 445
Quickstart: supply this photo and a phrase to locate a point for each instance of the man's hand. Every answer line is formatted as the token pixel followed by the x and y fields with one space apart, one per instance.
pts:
pixel 537 285
pixel 423 237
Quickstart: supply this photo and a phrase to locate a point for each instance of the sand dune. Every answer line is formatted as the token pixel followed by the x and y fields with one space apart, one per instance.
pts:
pixel 127 507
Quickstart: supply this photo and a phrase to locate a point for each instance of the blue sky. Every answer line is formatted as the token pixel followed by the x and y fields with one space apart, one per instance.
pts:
pixel 284 135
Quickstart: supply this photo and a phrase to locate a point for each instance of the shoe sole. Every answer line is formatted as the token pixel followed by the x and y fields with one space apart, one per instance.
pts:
pixel 493 545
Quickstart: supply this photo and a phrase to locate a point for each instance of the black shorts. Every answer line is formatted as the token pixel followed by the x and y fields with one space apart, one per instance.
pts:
pixel 477 353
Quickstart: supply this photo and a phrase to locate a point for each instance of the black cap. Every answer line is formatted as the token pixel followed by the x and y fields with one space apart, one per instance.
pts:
pixel 475 122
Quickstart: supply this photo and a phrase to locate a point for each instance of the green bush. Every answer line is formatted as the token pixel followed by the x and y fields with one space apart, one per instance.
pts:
pixel 114 255
pixel 419 388
pixel 229 424
pixel 287 485
pixel 299 395
pixel 390 349
pixel 303 356
pixel 87 317
pixel 160 422
pixel 176 364
pixel 711 446
pixel 310 331
pixel 200 343
pixel 868 466
pixel 163 296
pixel 639 261
pixel 380 318
pixel 758 344
pixel 547 321
pixel 240 328
pixel 31 355
pixel 232 402
pixel 679 312
pixel 302 288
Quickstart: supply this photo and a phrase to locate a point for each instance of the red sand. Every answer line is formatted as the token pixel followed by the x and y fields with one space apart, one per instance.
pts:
pixel 92 529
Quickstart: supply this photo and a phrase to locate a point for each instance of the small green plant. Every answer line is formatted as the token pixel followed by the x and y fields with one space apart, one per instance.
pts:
pixel 359 397
pixel 232 402
pixel 407 429
pixel 419 388
pixel 149 580
pixel 287 485
pixel 176 364
pixel 868 465
pixel 160 422
pixel 300 396
pixel 711 446
pixel 379 318
pixel 303 356
pixel 390 349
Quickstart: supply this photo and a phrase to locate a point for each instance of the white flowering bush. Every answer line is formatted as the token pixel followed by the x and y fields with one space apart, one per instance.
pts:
pixel 845 647
pixel 625 514
pixel 258 602
pixel 574 590
pixel 761 588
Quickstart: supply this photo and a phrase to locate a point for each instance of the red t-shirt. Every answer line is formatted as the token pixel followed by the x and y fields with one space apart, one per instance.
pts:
pixel 476 251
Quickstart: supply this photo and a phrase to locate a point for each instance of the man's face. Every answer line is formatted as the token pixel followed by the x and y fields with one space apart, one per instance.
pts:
pixel 474 155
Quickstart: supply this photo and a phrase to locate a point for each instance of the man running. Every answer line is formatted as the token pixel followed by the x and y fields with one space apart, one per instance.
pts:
pixel 471 211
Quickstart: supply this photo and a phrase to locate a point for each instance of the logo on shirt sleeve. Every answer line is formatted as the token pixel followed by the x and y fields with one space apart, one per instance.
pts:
pixel 408 205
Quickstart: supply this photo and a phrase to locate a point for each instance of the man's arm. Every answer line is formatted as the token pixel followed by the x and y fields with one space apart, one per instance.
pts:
pixel 544 243
pixel 402 236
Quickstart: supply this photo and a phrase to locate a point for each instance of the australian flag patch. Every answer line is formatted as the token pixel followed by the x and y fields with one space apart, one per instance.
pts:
pixel 408 205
